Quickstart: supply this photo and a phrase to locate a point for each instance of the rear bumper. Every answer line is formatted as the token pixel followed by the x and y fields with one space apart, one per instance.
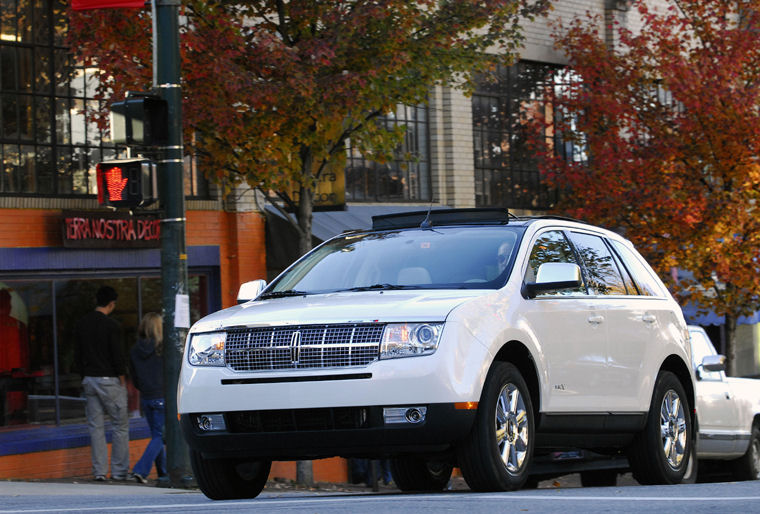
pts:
pixel 318 433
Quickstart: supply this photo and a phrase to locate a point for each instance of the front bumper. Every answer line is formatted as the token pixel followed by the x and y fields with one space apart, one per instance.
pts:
pixel 296 434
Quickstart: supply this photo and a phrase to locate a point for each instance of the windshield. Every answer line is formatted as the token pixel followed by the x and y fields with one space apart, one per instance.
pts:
pixel 441 258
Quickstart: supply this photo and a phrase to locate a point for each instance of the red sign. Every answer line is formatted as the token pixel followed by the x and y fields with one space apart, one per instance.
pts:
pixel 80 5
pixel 89 229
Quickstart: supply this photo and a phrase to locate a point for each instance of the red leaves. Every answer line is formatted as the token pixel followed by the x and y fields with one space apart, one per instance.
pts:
pixel 672 123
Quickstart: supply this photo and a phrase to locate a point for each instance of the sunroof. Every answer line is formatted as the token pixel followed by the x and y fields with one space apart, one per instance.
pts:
pixel 440 217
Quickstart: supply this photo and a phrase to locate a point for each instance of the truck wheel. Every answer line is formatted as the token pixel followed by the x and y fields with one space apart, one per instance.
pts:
pixel 660 453
pixel 229 479
pixel 747 467
pixel 496 454
pixel 599 478
pixel 417 474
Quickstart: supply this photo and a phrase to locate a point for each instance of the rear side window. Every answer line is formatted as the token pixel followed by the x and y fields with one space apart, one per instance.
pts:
pixel 642 274
pixel 604 275
pixel 551 246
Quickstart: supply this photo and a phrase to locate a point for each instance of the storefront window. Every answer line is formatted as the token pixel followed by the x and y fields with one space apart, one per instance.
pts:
pixel 39 379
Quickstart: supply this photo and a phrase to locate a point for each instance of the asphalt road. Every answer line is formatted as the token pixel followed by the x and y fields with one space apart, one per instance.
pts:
pixel 40 497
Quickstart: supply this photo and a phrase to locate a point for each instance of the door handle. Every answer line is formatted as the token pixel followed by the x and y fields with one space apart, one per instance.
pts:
pixel 595 320
pixel 649 318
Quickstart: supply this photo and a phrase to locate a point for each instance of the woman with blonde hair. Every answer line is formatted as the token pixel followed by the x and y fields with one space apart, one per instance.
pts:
pixel 147 370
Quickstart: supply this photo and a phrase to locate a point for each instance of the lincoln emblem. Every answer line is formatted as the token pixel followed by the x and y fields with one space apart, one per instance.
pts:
pixel 295 346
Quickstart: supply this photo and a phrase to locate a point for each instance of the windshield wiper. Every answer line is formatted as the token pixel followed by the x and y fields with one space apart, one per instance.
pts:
pixel 374 287
pixel 282 294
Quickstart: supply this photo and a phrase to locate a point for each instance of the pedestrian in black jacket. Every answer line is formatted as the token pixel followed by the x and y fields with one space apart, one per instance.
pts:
pixel 102 363
pixel 147 369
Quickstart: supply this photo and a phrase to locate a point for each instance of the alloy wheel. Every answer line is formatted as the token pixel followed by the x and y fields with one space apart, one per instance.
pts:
pixel 512 428
pixel 673 428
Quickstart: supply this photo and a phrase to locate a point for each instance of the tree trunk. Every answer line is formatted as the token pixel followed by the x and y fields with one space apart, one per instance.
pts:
pixel 731 344
pixel 304 217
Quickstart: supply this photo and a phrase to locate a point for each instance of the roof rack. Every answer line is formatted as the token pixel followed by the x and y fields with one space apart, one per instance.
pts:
pixel 439 217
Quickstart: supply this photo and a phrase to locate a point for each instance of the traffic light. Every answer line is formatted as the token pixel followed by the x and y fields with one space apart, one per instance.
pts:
pixel 141 119
pixel 126 183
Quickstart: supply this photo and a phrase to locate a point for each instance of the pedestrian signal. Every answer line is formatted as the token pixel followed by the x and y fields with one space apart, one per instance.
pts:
pixel 126 183
pixel 141 119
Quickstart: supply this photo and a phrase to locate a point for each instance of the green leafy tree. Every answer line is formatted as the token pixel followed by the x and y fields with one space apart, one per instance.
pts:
pixel 274 89
pixel 670 121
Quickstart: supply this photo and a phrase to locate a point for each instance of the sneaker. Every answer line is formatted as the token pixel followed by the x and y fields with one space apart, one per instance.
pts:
pixel 100 478
pixel 140 478
pixel 122 478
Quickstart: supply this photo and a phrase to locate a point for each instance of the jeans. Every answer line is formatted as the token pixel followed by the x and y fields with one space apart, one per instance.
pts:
pixel 106 395
pixel 154 452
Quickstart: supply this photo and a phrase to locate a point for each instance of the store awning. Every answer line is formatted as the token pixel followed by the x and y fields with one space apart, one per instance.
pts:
pixel 696 316
pixel 282 240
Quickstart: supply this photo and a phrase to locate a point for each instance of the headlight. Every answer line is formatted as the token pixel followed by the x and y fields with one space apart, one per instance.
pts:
pixel 410 339
pixel 206 349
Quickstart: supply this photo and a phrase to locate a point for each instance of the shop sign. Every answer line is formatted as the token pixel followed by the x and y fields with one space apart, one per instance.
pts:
pixel 101 229
pixel 329 193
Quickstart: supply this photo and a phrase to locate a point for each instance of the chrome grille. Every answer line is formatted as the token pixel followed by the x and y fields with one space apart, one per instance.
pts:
pixel 303 347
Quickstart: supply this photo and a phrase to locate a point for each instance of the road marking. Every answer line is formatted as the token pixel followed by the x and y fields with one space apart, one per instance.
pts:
pixel 264 502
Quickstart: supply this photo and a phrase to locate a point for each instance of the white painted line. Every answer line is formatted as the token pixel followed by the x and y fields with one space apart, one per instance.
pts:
pixel 264 502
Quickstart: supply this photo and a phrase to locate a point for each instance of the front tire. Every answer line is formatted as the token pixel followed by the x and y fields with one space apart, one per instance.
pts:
pixel 747 467
pixel 660 454
pixel 496 454
pixel 417 474
pixel 229 479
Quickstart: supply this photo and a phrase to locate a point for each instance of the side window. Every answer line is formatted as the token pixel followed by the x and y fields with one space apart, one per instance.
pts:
pixel 551 247
pixel 630 285
pixel 604 276
pixel 641 273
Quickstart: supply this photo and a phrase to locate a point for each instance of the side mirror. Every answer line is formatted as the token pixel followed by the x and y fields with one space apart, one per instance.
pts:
pixel 714 363
pixel 250 290
pixel 553 276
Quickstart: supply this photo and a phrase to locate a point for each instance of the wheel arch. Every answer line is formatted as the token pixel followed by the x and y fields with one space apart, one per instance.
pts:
pixel 678 367
pixel 519 355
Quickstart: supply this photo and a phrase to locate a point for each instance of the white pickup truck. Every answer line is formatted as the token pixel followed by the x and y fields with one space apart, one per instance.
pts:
pixel 728 415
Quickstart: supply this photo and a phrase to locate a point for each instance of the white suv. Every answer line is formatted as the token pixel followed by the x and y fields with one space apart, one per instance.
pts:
pixel 467 338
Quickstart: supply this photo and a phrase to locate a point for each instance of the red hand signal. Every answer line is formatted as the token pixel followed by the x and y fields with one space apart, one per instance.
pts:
pixel 115 183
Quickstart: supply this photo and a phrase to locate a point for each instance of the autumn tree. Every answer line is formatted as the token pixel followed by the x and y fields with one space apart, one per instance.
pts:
pixel 274 89
pixel 668 122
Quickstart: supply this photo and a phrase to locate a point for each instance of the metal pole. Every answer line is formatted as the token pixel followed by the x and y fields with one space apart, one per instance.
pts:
pixel 166 83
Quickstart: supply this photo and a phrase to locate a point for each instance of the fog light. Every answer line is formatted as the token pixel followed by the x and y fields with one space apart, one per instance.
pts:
pixel 410 415
pixel 211 422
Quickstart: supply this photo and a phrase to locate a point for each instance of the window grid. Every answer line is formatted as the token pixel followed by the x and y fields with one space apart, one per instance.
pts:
pixel 47 146
pixel 407 176
pixel 506 172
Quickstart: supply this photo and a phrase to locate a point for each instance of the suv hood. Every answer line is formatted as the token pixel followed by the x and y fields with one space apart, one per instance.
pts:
pixel 344 307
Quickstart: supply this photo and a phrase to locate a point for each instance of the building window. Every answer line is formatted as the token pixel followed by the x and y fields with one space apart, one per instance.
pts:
pixel 47 145
pixel 506 172
pixel 407 177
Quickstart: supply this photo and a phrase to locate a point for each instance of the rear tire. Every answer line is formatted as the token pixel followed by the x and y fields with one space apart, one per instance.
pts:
pixel 497 453
pixel 229 479
pixel 660 454
pixel 747 467
pixel 599 478
pixel 417 474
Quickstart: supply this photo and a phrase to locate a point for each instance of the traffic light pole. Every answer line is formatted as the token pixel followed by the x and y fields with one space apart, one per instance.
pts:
pixel 166 83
